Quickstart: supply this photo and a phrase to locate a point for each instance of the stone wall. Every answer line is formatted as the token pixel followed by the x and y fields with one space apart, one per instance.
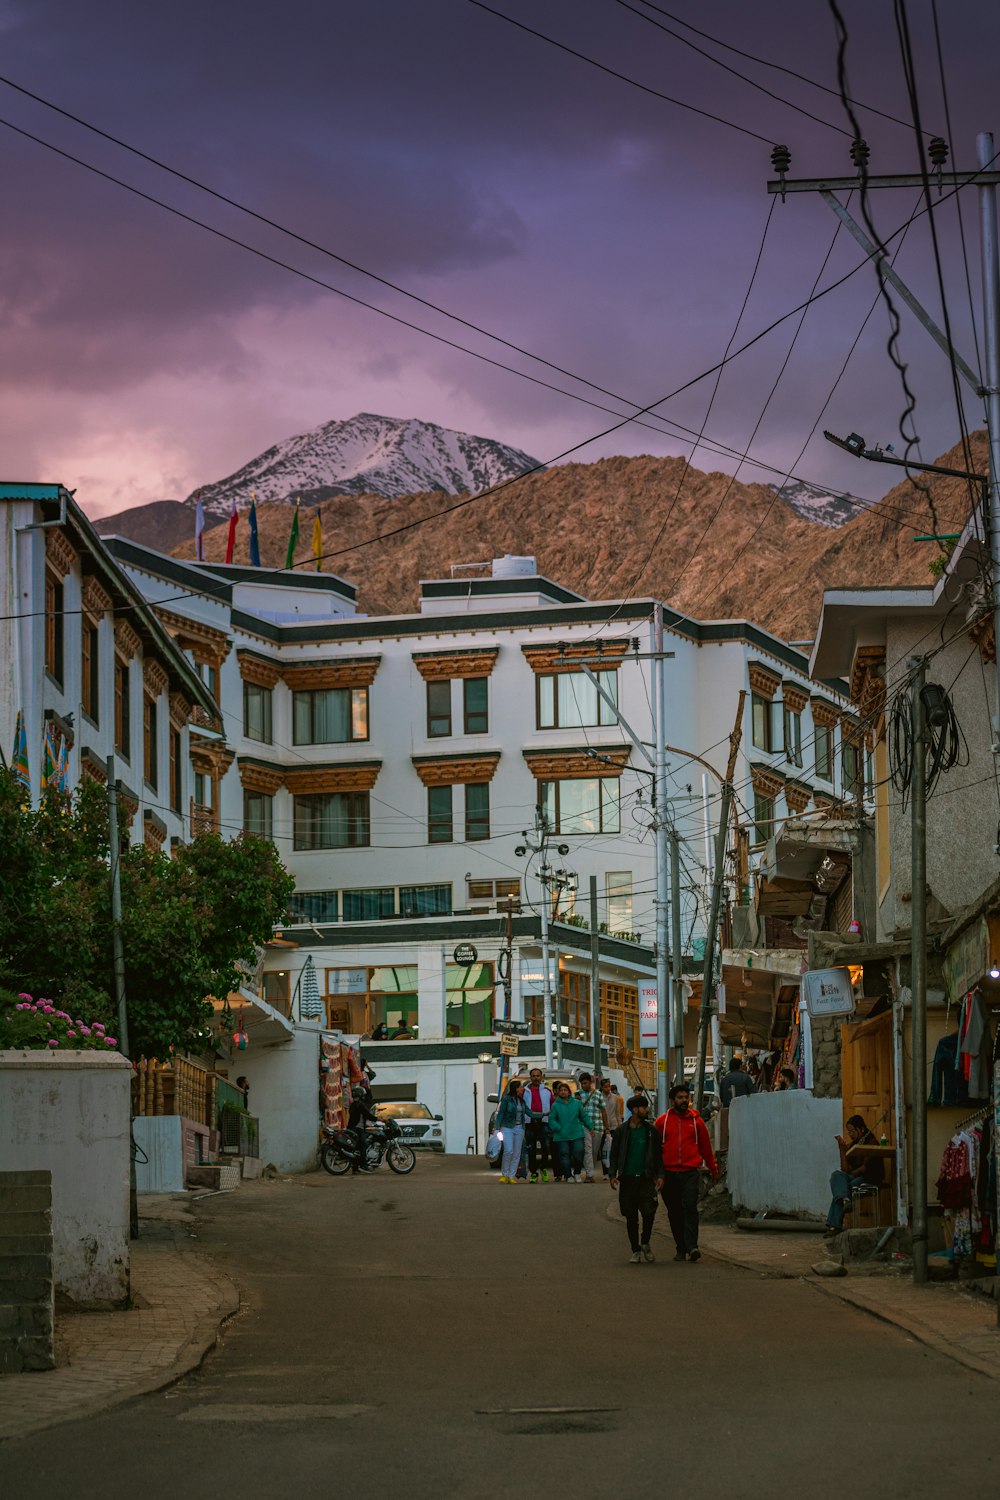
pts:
pixel 26 1286
pixel 826 1057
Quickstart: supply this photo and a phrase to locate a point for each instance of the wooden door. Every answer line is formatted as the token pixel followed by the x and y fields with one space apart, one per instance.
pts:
pixel 866 1074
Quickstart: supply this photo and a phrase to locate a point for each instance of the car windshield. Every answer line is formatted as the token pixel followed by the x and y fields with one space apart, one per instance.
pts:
pixel 404 1109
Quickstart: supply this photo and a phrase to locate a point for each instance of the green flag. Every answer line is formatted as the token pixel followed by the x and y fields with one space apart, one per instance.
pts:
pixel 293 538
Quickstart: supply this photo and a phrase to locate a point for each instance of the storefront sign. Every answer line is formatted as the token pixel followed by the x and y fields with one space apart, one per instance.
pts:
pixel 465 953
pixel 648 1009
pixel 518 1028
pixel 828 992
pixel 509 1045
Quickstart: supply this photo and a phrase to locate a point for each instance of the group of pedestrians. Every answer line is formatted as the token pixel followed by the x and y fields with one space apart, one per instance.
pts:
pixel 644 1159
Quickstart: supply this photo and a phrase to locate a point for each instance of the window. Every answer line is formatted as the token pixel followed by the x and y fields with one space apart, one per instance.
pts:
pixel 574 995
pixel 569 700
pixel 763 817
pixel 475 704
pixel 54 626
pixel 257 712
pixel 332 820
pixel 824 752
pixel 618 884
pixel 369 905
pixel 123 707
pixel 90 692
pixel 438 708
pixel 209 674
pixel 761 711
pixel 330 716
pixel 492 890
pixel 175 769
pixel 425 900
pixel 150 747
pixel 313 906
pixel 440 822
pixel 276 989
pixel 793 736
pixel 257 814
pixel 849 768
pixel 477 811
pixel 203 789
pixel 585 806
pixel 468 999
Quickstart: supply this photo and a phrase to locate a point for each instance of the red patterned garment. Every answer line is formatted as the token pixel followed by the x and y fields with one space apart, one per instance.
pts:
pixel 954 1184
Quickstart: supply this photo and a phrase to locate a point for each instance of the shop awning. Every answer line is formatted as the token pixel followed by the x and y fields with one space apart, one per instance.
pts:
pixel 754 981
pixel 264 1026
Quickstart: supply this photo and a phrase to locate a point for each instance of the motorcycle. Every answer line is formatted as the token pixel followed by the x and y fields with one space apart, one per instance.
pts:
pixel 341 1151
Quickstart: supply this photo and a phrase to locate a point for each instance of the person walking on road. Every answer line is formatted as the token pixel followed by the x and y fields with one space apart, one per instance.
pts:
pixel 614 1108
pixel 538 1097
pixel 512 1117
pixel 736 1084
pixel 685 1146
pixel 568 1125
pixel 592 1104
pixel 635 1168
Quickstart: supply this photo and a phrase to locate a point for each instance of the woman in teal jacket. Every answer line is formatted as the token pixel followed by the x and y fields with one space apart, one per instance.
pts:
pixel 567 1123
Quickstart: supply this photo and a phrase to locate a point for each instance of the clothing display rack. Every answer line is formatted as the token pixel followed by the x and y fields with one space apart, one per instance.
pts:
pixel 979 1114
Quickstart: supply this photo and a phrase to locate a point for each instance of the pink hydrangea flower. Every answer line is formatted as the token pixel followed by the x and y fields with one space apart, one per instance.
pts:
pixel 52 1042
pixel 71 1032
pixel 85 1030
pixel 49 1009
pixel 112 1041
pixel 24 995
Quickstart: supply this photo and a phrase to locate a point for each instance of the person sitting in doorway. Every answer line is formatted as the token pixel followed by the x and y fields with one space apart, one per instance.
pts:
pixel 855 1168
pixel 787 1079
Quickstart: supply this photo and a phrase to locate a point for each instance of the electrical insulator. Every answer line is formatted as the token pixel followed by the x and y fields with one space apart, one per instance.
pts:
pixel 860 153
pixel 781 160
pixel 937 150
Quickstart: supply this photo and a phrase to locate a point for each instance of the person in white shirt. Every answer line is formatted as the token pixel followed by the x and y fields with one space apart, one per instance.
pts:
pixel 538 1098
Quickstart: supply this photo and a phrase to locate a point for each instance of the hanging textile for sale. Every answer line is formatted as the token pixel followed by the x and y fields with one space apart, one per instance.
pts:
pixel 975 1046
pixel 955 1187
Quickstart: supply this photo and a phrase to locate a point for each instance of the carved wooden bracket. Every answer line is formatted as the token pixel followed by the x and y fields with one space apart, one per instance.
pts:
pixel 180 710
pixel 767 782
pixel 797 795
pixel 208 645
pixel 455 770
pixel 576 765
pixel 796 697
pixel 154 677
pixel 764 680
pixel 435 665
pixel 59 551
pixel 360 776
pixel 824 712
pixel 258 777
pixel 258 669
pixel 127 642
pixel 566 656
pixel 95 598
pixel 353 672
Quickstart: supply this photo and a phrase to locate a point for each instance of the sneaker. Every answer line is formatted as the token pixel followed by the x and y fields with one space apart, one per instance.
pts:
pixel 634 1258
pixel 695 1255
pixel 679 1255
pixel 502 1178
pixel 572 1179
pixel 647 1252
pixel 544 1175
pixel 534 1177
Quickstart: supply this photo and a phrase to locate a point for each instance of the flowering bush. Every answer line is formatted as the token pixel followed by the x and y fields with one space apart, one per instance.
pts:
pixel 37 1025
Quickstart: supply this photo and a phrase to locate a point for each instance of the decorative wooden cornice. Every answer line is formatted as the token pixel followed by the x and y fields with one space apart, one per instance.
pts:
pixel 868 661
pixel 92 768
pixel 59 551
pixel 456 770
pixel 767 782
pixel 435 665
pixel 128 806
pixel 258 777
pixel 764 680
pixel 794 695
pixel 851 729
pixel 566 657
pixel 824 712
pixel 982 632
pixel 94 597
pixel 360 776
pixel 154 830
pixel 154 677
pixel 576 765
pixel 127 642
pixel 208 645
pixel 797 795
pixel 345 672
pixel 258 669
pixel 211 757
pixel 180 710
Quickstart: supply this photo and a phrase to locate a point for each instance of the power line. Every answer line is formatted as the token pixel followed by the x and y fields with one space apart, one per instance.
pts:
pixel 623 77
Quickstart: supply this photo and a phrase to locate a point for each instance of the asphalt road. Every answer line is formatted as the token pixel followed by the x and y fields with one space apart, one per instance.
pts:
pixel 444 1335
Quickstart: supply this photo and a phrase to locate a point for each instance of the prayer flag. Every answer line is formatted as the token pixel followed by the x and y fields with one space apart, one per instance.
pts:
pixel 199 530
pixel 317 539
pixel 49 764
pixel 22 773
pixel 231 542
pixel 254 543
pixel 293 538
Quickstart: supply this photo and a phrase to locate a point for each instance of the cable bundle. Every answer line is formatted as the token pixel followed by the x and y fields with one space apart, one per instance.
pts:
pixel 946 744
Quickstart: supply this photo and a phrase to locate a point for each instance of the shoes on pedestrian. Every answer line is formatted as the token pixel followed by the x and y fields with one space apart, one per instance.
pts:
pixel 695 1255
pixel 544 1175
pixel 517 1181
pixel 635 1258
pixel 534 1177
pixel 680 1255
pixel 647 1252
pixel 572 1178
pixel 829 1233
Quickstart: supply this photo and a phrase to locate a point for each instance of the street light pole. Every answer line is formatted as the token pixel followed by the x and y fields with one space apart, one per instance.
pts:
pixel 918 967
pixel 662 939
pixel 991 342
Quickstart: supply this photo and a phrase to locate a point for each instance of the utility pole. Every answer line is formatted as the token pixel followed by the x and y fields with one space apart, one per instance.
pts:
pixel 708 972
pixel 595 978
pixel 676 977
pixel 507 959
pixel 662 942
pixel 538 843
pixel 118 956
pixel 991 341
pixel 918 966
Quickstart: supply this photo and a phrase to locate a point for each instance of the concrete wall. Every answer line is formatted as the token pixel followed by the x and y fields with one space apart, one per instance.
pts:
pixel 26 1299
pixel 284 1095
pixel 70 1114
pixel 782 1149
pixel 159 1139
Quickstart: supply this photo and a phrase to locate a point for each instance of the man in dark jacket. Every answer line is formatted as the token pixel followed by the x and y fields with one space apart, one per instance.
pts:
pixel 635 1167
pixel 736 1084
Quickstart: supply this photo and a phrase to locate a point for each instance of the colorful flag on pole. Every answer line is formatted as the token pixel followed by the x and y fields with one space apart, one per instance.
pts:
pixel 62 766
pixel 231 542
pixel 19 765
pixel 199 530
pixel 318 539
pixel 254 543
pixel 49 760
pixel 293 537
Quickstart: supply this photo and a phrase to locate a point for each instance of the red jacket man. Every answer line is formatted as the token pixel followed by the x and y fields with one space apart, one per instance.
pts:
pixel 685 1145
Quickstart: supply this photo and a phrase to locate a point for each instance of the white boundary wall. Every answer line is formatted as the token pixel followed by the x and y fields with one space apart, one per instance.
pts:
pixel 782 1149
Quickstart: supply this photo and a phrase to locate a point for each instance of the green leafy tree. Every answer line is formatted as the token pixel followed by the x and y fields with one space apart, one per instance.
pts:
pixel 191 923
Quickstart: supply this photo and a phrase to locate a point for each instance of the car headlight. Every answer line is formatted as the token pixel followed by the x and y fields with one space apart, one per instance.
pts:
pixel 435 1132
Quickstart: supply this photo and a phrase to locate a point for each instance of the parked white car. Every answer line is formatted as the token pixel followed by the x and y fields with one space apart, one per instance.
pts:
pixel 418 1125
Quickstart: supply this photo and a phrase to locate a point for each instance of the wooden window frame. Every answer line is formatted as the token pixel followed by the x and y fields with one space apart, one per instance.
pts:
pixel 554 677
pixel 476 787
pixel 440 828
pixel 358 820
pixel 469 714
pixel 55 627
pixel 435 685
pixel 266 802
pixel 90 668
pixel 150 742
pixel 758 701
pixel 267 699
pixel 123 706
pixel 823 735
pixel 352 739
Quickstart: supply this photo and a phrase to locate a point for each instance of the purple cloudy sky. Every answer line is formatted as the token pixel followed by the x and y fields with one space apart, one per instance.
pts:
pixel 515 185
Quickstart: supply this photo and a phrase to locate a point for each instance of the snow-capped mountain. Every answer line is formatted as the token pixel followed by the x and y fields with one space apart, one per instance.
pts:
pixel 815 504
pixel 366 454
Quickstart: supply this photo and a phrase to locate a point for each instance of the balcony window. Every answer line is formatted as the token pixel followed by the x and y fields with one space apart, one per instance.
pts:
pixel 569 700
pixel 257 712
pixel 793 736
pixel 313 906
pixel 258 814
pixel 588 805
pixel 369 905
pixel 477 811
pixel 332 820
pixel 438 708
pixel 54 618
pixel 823 752
pixel 475 704
pixel 330 716
pixel 492 890
pixel 440 819
pixel 425 900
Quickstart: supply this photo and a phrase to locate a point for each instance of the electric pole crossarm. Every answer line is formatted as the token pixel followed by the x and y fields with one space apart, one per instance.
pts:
pixel 873 180
pixel 920 313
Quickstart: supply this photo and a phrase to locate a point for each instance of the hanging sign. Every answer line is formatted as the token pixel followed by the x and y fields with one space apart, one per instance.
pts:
pixel 509 1045
pixel 465 953
pixel 648 1011
pixel 828 992
pixel 518 1028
